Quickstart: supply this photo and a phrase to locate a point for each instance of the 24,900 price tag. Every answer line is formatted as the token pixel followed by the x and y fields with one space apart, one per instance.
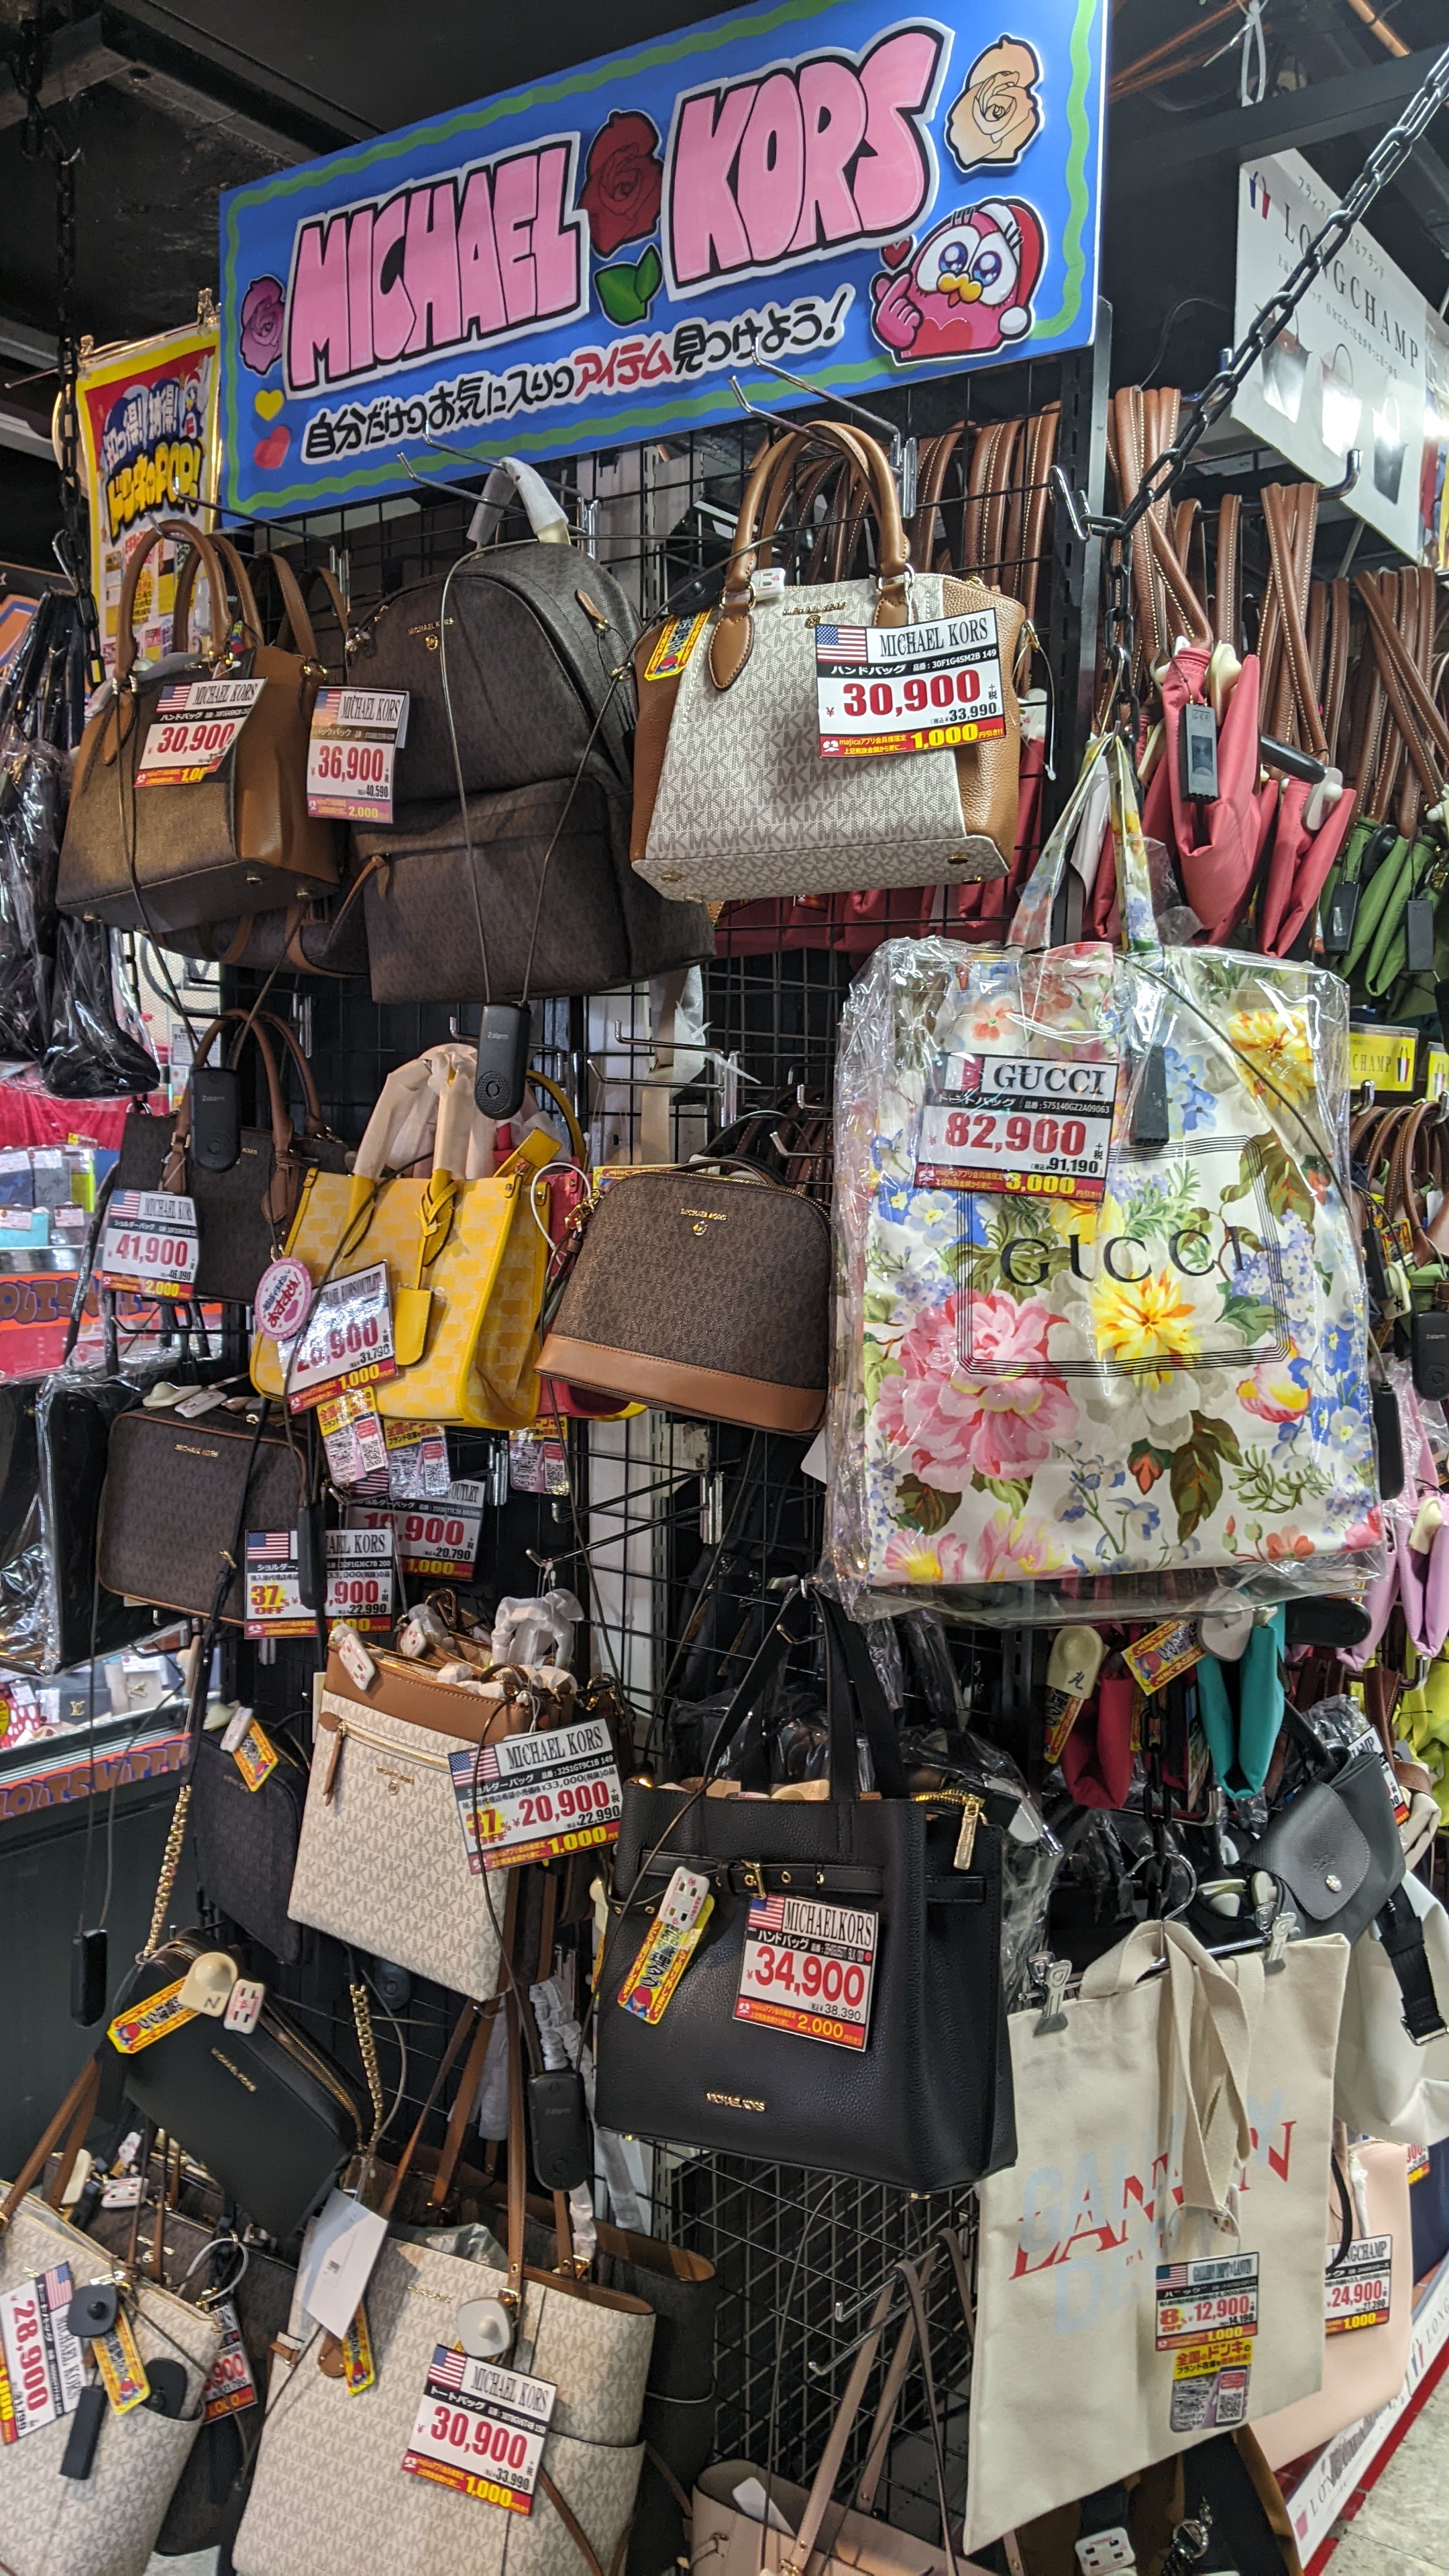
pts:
pixel 1005 1123
pixel 195 725
pixel 808 1968
pixel 909 688
pixel 150 1243
pixel 346 1340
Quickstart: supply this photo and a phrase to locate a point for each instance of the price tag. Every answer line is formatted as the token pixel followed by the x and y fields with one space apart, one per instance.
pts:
pixel 256 1757
pixel 123 2372
pixel 150 1243
pixel 352 1437
pixel 195 724
pixel 359 1582
pixel 1163 1653
pixel 1210 2385
pixel 42 2364
pixel 1006 1123
pixel 417 1462
pixel 345 1342
pixel 145 2023
pixel 230 2386
pixel 909 688
pixel 809 1968
pixel 355 739
pixel 531 1797
pixel 1357 2291
pixel 1211 2297
pixel 440 1541
pixel 480 2429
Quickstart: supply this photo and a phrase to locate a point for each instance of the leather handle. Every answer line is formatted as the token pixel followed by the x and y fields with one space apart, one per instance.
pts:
pixel 462 2029
pixel 67 2131
pixel 281 1117
pixel 1402 662
pixel 1226 594
pixel 312 1123
pixel 1292 555
pixel 233 563
pixel 733 636
pixel 180 534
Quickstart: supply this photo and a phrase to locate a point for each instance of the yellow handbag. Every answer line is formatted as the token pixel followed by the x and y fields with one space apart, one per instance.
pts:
pixel 466 1257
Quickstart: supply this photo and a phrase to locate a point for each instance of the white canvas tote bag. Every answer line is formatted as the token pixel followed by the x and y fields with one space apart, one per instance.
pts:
pixel 1178 2113
pixel 1386 2084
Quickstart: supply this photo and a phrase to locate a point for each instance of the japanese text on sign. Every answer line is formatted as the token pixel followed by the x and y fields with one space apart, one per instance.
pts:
pixel 1006 1123
pixel 346 1340
pixel 359 1582
pixel 150 1243
pixel 355 739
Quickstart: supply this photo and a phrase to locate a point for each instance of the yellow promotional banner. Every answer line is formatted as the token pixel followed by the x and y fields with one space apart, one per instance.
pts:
pixel 148 417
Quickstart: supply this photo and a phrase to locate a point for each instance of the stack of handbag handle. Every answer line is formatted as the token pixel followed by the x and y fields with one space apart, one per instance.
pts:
pixel 1004 502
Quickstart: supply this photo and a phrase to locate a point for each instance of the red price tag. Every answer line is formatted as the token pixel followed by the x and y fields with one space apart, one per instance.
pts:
pixel 1005 1123
pixel 195 724
pixel 1358 2291
pixel 532 1797
pixel 1196 2301
pixel 150 1243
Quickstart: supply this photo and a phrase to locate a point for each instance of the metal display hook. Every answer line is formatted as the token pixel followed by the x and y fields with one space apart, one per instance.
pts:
pixel 902 450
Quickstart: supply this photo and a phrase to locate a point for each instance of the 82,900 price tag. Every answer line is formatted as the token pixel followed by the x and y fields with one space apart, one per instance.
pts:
pixel 1005 1123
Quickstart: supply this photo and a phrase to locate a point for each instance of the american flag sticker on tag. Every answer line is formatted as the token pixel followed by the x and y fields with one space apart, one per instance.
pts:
pixel 808 1968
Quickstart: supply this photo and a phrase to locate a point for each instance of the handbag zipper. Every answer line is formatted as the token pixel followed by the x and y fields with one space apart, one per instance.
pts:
pixel 380 1744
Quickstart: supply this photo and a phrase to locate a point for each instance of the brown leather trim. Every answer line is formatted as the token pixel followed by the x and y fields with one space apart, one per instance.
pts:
pixel 715 1393
pixel 651 737
pixel 410 1699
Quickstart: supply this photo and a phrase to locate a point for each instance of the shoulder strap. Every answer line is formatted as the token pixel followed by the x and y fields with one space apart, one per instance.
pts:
pixel 67 2131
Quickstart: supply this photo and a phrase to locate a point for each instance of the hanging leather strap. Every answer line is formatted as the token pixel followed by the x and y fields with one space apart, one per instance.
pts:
pixel 462 2030
pixel 1402 1935
pixel 67 2131
pixel 472 2075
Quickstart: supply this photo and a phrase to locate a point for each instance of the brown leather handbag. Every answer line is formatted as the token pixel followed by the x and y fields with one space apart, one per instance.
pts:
pixel 705 1293
pixel 177 1494
pixel 164 857
pixel 242 1215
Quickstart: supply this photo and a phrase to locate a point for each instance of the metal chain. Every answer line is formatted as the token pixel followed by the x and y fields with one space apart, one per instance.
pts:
pixel 170 1863
pixel 367 2046
pixel 1119 706
pixel 72 543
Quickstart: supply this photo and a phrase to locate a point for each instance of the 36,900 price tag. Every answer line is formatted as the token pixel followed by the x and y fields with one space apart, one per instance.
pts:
pixel 531 1797
pixel 355 739
pixel 1006 1123
pixel 809 1969
pixel 359 1582
pixel 909 688
pixel 346 1340
pixel 195 724
pixel 150 1243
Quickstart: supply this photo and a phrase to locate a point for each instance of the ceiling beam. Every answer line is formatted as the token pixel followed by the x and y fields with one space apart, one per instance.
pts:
pixel 1355 103
pixel 77 59
pixel 189 75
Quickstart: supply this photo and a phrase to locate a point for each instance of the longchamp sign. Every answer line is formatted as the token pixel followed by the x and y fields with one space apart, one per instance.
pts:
pixel 587 261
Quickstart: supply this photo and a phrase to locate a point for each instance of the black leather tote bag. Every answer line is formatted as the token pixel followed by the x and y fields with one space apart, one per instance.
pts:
pixel 925 2103
pixel 246 1842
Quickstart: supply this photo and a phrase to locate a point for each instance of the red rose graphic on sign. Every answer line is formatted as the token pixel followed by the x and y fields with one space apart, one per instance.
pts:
pixel 624 179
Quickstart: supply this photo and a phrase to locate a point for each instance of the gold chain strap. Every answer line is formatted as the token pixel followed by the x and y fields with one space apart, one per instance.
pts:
pixel 367 2044
pixel 170 1863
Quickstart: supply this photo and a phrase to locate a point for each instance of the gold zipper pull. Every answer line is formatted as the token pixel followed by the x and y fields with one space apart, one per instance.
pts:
pixel 334 1756
pixel 972 1811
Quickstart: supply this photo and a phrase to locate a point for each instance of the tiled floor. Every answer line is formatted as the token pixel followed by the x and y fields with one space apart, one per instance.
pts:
pixel 1403 2527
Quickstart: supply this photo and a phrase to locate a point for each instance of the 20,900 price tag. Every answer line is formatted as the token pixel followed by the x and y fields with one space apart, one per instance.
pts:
pixel 1005 1123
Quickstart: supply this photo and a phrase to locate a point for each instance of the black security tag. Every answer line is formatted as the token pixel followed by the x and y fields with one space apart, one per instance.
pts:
pixel 93 2310
pixel 1419 935
pixel 87 1978
pixel 1429 1353
pixel 1342 914
pixel 312 1554
pixel 1149 1110
pixel 1388 1441
pixel 558 2123
pixel 1326 1622
pixel 1198 740
pixel 1373 1263
pixel 503 1037
pixel 85 2431
pixel 168 2388
pixel 215 1117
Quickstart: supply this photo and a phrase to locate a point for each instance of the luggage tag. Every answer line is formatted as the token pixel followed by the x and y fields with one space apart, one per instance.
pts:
pixel 42 2363
pixel 359 2371
pixel 669 1945
pixel 1163 1653
pixel 143 2024
pixel 230 2387
pixel 1072 1669
pixel 480 2429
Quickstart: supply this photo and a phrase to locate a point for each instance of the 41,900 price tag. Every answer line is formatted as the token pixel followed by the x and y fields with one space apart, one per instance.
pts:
pixel 150 1243
pixel 1007 1123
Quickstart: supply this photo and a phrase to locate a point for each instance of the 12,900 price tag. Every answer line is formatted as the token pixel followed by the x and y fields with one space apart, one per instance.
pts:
pixel 346 1340
pixel 1004 1123
pixel 808 1968
pixel 932 687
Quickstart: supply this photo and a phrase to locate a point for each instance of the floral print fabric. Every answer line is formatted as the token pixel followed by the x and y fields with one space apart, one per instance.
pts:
pixel 1158 1400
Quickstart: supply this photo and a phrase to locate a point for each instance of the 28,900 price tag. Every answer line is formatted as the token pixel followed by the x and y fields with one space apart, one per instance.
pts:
pixel 150 1243
pixel 909 688
pixel 1006 1123
pixel 346 1340
pixel 195 724
pixel 808 1968
pixel 355 739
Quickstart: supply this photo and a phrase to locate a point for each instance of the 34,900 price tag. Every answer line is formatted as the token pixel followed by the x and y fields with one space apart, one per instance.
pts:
pixel 531 1797
pixel 346 1340
pixel 150 1243
pixel 1005 1123
pixel 808 1968
pixel 359 1582
pixel 355 739
pixel 195 725
pixel 932 687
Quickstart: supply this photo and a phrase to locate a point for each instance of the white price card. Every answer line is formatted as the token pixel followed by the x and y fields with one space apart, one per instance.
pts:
pixel 359 1582
pixel 932 687
pixel 230 2386
pixel 809 1968
pixel 1007 1123
pixel 1358 2291
pixel 346 1340
pixel 442 1538
pixel 480 2429
pixel 531 1797
pixel 195 724
pixel 1217 2296
pixel 42 2367
pixel 150 1243
pixel 355 739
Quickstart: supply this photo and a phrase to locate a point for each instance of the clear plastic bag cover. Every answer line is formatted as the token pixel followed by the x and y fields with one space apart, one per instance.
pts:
pixel 55 1433
pixel 1043 1407
pixel 1030 1852
pixel 90 1056
pixel 30 804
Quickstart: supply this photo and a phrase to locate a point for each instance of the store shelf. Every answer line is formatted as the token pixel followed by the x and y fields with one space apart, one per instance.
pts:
pixel 1346 2469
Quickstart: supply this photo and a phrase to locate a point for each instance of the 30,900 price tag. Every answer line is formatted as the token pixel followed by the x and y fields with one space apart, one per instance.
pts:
pixel 931 687
pixel 195 725
pixel 1007 1123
